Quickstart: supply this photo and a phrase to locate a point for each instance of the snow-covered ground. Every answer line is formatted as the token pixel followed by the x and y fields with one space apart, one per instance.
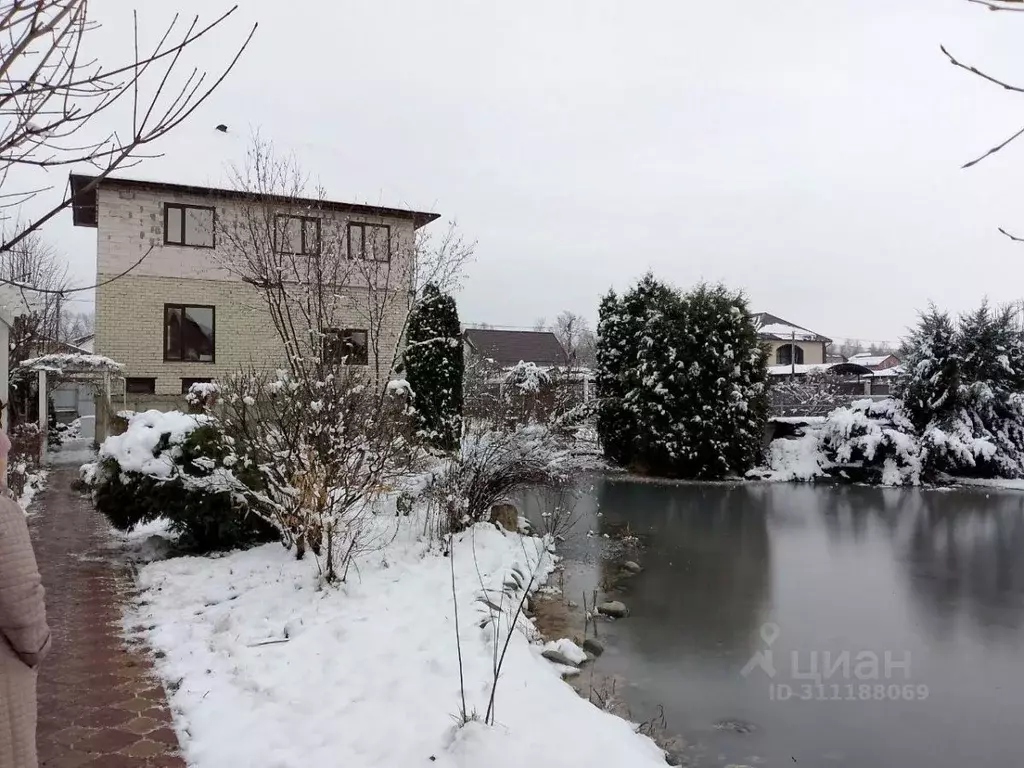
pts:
pixel 993 482
pixel 266 669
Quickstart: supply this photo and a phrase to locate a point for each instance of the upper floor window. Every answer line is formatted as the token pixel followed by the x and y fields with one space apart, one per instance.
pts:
pixel 189 333
pixel 297 234
pixel 369 241
pixel 189 225
pixel 789 354
pixel 345 346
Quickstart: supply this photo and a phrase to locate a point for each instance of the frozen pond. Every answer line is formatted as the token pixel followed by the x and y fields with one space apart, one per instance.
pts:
pixel 909 604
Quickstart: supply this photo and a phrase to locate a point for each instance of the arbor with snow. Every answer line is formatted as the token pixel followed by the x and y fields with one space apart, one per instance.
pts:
pixel 434 367
pixel 681 379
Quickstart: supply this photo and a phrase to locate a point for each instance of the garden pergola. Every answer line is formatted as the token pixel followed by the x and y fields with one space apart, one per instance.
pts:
pixel 92 369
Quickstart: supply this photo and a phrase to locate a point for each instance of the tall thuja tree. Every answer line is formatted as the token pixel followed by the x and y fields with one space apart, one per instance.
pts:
pixel 434 367
pixel 625 361
pixel 930 384
pixel 724 386
pixel 682 381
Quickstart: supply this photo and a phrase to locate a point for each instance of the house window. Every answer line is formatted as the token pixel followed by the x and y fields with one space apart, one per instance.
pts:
pixel 140 386
pixel 189 333
pixel 191 225
pixel 345 346
pixel 186 384
pixel 371 242
pixel 789 354
pixel 298 235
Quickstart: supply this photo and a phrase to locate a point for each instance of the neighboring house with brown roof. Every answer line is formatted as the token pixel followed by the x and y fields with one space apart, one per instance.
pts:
pixel 507 348
pixel 177 316
pixel 789 343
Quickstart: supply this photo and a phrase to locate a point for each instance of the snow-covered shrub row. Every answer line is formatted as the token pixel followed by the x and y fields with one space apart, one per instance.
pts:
pixel 958 410
pixel 681 380
pixel 174 465
pixel 868 441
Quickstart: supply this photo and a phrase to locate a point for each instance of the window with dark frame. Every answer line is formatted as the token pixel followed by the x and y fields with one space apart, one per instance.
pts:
pixel 297 235
pixel 190 225
pixel 345 346
pixel 189 332
pixel 136 385
pixel 186 384
pixel 369 242
pixel 785 355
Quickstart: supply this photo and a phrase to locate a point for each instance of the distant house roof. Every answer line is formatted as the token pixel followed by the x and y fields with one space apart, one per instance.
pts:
pixel 774 328
pixel 875 361
pixel 507 348
pixel 83 193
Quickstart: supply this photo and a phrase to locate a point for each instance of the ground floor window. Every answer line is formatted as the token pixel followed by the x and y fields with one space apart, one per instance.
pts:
pixel 136 385
pixel 189 333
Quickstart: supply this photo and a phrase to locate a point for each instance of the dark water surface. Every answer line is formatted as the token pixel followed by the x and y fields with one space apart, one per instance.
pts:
pixel 933 578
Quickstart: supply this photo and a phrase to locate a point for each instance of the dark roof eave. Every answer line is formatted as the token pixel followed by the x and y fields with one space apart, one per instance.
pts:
pixel 84 203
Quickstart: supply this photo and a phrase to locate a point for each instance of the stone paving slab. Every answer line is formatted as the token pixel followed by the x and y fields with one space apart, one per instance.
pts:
pixel 100 704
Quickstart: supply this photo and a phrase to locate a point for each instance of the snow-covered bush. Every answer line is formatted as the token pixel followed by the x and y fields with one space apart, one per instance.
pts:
pixel 174 465
pixel 490 468
pixel 681 381
pixel 23 458
pixel 202 395
pixel 433 366
pixel 868 441
pixel 317 450
pixel 962 388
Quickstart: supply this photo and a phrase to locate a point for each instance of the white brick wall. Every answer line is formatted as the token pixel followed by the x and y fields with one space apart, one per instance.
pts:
pixel 130 310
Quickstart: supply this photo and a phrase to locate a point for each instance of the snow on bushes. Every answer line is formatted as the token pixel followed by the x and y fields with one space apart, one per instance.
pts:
pixel 174 465
pixel 681 381
pixel 959 411
pixel 869 441
pixel 434 366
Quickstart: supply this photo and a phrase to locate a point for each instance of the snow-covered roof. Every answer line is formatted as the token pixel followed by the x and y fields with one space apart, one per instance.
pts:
pixel 895 370
pixel 840 369
pixel 799 370
pixel 774 328
pixel 868 359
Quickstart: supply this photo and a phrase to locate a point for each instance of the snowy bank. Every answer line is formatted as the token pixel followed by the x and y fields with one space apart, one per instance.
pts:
pixel 266 669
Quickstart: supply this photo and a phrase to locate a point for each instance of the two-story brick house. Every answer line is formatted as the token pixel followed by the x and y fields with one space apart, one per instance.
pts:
pixel 175 314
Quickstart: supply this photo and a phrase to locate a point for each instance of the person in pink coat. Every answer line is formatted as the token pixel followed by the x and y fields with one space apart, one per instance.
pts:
pixel 24 634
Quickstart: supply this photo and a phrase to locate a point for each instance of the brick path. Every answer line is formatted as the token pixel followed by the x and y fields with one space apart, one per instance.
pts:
pixel 99 703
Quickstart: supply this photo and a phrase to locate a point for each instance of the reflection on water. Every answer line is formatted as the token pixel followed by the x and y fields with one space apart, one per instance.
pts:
pixel 934 578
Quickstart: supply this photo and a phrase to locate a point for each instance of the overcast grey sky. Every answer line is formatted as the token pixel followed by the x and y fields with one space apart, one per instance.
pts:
pixel 805 151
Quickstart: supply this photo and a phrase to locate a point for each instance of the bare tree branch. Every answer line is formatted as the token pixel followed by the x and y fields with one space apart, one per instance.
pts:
pixel 50 97
pixel 1004 5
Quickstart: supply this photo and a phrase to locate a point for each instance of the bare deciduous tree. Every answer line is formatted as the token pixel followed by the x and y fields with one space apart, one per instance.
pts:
pixel 578 341
pixel 316 275
pixel 993 5
pixel 61 107
pixel 324 436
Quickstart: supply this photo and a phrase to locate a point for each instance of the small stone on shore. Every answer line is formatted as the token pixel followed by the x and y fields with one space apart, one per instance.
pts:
pixel 558 657
pixel 593 646
pixel 632 567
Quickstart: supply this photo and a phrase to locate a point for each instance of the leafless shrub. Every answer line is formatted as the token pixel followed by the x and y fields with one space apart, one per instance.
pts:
pixel 312 453
pixel 491 467
pixel 811 394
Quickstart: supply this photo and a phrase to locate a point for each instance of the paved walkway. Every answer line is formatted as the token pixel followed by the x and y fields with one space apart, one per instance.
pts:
pixel 99 703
